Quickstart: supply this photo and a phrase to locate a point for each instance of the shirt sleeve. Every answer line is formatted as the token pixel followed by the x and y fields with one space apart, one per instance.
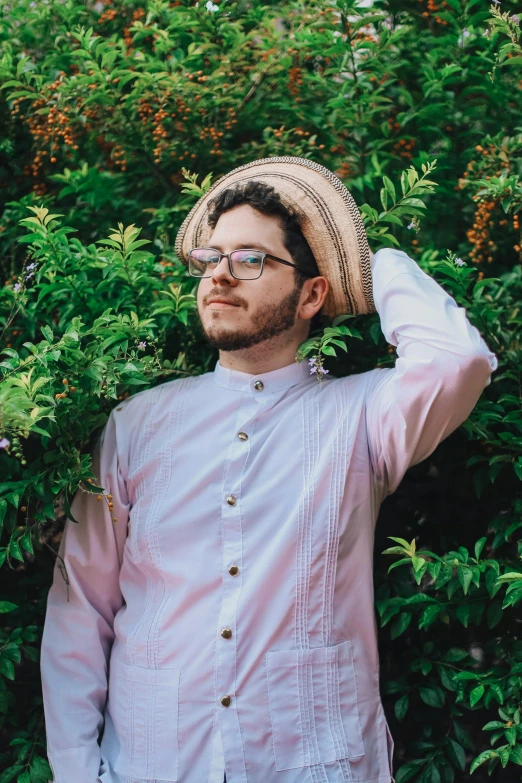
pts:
pixel 442 367
pixel 78 628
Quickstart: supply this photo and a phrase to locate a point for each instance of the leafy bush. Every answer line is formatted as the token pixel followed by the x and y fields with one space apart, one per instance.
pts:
pixel 122 114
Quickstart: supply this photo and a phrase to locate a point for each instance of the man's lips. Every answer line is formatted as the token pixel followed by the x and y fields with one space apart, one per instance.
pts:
pixel 219 303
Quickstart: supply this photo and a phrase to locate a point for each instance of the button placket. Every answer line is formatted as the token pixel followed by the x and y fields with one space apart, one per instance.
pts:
pixel 226 647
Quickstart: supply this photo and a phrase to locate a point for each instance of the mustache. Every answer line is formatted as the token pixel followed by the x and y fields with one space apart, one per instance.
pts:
pixel 225 296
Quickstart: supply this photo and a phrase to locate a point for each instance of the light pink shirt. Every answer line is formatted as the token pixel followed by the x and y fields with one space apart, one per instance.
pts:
pixel 241 564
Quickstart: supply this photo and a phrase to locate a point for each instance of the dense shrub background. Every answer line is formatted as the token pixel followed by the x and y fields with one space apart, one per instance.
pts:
pixel 114 118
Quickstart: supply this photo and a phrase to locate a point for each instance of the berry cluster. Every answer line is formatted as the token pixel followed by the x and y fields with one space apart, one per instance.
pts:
pixel 478 235
pixel 433 9
pixel 63 395
pixel 16 451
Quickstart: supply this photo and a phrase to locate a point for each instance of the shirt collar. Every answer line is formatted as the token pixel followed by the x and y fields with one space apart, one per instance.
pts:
pixel 265 382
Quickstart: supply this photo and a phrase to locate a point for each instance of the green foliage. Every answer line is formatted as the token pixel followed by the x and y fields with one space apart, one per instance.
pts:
pixel 123 114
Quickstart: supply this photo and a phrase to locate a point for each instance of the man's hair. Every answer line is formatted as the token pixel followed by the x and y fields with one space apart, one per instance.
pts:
pixel 265 199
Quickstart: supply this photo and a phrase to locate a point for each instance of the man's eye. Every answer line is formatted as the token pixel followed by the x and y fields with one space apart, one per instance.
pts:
pixel 250 259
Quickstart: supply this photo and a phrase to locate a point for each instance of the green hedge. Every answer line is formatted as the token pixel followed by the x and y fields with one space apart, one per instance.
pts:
pixel 115 118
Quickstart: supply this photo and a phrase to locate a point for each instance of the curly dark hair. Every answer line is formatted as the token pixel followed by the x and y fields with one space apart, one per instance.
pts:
pixel 265 199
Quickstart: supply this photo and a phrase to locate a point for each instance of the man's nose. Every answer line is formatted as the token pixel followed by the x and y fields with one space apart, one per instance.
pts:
pixel 221 273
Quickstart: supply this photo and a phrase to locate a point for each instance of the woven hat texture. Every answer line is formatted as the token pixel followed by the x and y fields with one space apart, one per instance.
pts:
pixel 329 219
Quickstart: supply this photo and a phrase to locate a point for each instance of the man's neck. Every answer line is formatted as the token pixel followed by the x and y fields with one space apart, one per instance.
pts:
pixel 260 358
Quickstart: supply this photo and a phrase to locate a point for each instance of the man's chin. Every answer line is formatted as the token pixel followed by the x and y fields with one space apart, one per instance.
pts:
pixel 231 340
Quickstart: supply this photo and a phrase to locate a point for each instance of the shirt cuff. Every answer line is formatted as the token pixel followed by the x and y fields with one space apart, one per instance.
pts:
pixel 81 765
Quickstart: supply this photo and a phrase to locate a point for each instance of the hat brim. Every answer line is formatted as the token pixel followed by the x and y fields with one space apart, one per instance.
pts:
pixel 329 218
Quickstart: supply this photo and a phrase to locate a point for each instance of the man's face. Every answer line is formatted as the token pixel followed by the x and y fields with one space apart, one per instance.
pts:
pixel 252 311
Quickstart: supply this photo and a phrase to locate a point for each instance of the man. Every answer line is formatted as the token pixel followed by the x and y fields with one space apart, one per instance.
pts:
pixel 228 611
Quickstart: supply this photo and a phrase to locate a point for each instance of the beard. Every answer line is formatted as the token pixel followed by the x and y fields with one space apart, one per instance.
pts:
pixel 264 325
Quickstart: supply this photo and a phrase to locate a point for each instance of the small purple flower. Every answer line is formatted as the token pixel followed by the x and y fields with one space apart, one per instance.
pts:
pixel 497 2
pixel 31 266
pixel 459 262
pixel 27 277
pixel 4 443
pixel 412 224
pixel 324 372
pixel 313 370
pixel 17 286
pixel 141 346
pixel 515 18
pixel 312 361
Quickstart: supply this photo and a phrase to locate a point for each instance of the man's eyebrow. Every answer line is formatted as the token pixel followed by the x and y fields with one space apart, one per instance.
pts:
pixel 247 245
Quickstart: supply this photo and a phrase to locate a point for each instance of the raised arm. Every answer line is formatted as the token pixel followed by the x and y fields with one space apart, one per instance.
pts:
pixel 78 630
pixel 442 367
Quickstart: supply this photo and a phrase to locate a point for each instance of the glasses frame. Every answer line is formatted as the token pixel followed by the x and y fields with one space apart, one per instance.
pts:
pixel 264 255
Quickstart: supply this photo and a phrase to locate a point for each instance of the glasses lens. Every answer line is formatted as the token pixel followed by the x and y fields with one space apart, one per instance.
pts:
pixel 246 264
pixel 201 259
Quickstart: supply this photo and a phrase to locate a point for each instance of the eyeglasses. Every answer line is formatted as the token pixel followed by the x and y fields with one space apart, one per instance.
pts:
pixel 243 264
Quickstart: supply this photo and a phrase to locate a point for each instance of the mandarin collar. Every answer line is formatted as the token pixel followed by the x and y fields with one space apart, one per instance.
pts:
pixel 265 382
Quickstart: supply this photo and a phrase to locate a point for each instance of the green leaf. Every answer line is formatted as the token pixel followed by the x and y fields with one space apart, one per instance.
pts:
pixel 465 576
pixel 432 696
pixel 390 187
pixel 476 695
pixel 479 546
pixel 429 615
pixel 407 771
pixel 400 624
pixel 456 754
pixel 433 773
pixel 401 707
pixel 496 689
pixel 484 756
pixel 463 611
pixel 40 770
pixel 7 606
pixel 14 550
pixel 328 350
pixel 7 668
pixel 402 541
pixel 11 772
pixel 47 333
pixel 516 755
pixel 455 654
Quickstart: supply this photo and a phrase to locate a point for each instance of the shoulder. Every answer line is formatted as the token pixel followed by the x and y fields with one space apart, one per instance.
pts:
pixel 151 403
pixel 358 383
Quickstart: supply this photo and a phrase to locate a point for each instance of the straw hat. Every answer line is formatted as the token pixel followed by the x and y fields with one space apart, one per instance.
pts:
pixel 329 219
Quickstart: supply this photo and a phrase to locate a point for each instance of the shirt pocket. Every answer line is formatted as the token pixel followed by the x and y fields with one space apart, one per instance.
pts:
pixel 313 705
pixel 143 704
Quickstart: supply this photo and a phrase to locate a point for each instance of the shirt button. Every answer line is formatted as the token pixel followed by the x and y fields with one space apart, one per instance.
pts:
pixel 233 570
pixel 225 701
pixel 259 385
pixel 242 436
pixel 226 633
pixel 231 500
